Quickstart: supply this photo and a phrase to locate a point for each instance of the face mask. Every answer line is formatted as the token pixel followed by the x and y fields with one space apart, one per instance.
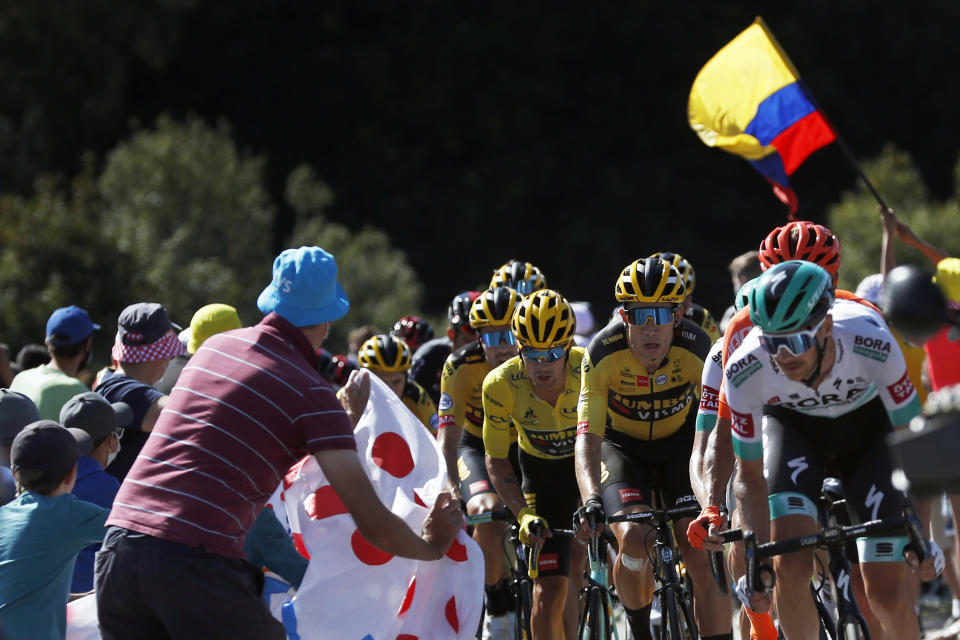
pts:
pixel 112 454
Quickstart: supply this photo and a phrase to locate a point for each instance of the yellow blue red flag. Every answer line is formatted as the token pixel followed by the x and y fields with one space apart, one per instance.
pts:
pixel 749 100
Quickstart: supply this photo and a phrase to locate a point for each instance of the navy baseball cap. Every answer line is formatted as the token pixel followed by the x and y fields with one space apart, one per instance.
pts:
pixel 92 413
pixel 47 446
pixel 69 325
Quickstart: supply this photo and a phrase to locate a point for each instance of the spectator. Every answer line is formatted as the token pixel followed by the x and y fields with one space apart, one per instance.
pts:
pixel 7 370
pixel 32 355
pixel 248 407
pixel 101 421
pixel 744 268
pixel 70 341
pixel 357 337
pixel 42 530
pixel 584 314
pixel 16 412
pixel 207 321
pixel 146 342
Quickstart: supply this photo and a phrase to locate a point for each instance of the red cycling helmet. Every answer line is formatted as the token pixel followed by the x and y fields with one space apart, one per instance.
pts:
pixel 802 240
pixel 413 330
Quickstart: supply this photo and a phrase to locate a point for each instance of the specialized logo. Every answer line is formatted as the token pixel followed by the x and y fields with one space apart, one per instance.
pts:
pixel 883 549
pixel 631 494
pixel 709 399
pixel 742 424
pixel 795 503
pixel 799 465
pixel 843 585
pixel 873 348
pixel 738 372
pixel 873 501
pixel 776 280
pixel 446 402
pixel 902 389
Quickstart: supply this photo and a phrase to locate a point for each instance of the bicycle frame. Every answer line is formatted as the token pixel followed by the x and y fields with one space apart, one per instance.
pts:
pixel 596 620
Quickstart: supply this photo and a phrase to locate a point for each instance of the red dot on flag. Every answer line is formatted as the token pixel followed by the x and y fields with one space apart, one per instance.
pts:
pixel 408 599
pixel 323 503
pixel 366 552
pixel 392 454
pixel 457 552
pixel 293 472
pixel 451 613
pixel 299 546
pixel 407 636
pixel 419 500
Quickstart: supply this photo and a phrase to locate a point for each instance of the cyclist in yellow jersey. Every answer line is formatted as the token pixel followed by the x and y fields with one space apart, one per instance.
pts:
pixel 639 394
pixel 389 357
pixel 522 276
pixel 461 433
pixel 536 393
pixel 689 309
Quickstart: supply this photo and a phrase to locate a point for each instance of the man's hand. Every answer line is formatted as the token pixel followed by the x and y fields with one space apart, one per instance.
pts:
pixel 355 395
pixel 442 523
pixel 530 524
pixel 590 518
pixel 760 601
pixel 700 532
pixel 931 567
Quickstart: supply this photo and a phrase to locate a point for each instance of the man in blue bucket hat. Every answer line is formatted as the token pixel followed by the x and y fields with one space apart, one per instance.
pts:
pixel 246 408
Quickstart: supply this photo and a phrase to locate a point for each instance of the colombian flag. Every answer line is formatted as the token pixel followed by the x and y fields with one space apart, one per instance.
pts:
pixel 749 100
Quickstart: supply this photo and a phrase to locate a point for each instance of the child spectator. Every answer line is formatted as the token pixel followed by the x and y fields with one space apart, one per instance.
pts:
pixel 42 530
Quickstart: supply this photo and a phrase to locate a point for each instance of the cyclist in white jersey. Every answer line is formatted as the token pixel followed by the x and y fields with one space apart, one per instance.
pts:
pixel 826 383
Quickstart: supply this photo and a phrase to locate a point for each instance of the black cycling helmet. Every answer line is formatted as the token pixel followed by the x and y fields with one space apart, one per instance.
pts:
pixel 459 310
pixel 913 304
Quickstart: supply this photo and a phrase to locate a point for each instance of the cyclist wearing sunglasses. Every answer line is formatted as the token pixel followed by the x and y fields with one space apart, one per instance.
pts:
pixel 689 309
pixel 536 393
pixel 519 275
pixel 827 382
pixel 640 388
pixel 388 357
pixel 461 433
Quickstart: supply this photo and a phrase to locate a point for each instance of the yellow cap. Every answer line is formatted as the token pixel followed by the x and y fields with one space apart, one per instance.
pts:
pixel 948 278
pixel 209 321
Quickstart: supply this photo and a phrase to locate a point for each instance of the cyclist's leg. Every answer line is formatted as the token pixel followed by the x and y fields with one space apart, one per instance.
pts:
pixel 794 473
pixel 711 607
pixel 888 581
pixel 478 493
pixel 625 490
pixel 550 489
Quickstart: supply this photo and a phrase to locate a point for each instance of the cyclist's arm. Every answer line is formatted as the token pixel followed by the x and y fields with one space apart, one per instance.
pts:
pixel 497 409
pixel 750 488
pixel 376 522
pixel 706 421
pixel 718 463
pixel 451 414
pixel 506 483
pixel 591 423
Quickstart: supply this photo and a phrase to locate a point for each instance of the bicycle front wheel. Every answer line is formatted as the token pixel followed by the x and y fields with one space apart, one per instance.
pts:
pixel 678 622
pixel 524 610
pixel 595 621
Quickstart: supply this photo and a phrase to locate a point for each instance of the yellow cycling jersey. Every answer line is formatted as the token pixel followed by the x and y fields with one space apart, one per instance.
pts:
pixel 461 385
pixel 420 404
pixel 701 317
pixel 542 430
pixel 618 392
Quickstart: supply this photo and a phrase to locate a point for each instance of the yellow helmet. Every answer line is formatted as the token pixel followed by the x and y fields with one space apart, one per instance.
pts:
pixel 544 319
pixel 385 353
pixel 519 275
pixel 493 307
pixel 650 280
pixel 683 267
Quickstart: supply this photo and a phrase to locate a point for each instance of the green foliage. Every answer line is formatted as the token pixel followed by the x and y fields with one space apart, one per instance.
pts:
pixel 192 213
pixel 380 283
pixel 856 219
pixel 56 254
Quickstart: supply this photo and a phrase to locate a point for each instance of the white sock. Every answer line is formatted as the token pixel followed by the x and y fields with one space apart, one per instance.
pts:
pixel 955 608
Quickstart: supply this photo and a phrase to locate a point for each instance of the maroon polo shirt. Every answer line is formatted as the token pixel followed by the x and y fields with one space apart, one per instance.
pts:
pixel 248 405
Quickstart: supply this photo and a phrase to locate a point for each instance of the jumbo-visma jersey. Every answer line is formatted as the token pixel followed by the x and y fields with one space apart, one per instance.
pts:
pixel 868 363
pixel 461 385
pixel 543 431
pixel 617 392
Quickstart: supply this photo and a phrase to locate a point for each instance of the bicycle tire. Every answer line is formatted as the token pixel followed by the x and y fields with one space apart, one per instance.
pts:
pixel 522 629
pixel 677 616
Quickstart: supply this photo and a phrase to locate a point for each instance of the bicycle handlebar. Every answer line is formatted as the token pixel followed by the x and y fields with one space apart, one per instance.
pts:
pixel 489 516
pixel 657 514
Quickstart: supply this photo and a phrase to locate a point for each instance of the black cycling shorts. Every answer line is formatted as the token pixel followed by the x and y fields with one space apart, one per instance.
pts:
pixel 800 450
pixel 631 468
pixel 550 488
pixel 472 466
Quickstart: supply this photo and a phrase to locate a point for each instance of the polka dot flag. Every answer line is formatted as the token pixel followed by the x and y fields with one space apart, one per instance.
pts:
pixel 351 588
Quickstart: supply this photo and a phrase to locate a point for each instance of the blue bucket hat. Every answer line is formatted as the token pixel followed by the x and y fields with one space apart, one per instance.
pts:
pixel 304 289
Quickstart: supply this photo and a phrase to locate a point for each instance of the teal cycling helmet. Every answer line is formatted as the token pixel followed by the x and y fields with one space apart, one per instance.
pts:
pixel 742 298
pixel 791 296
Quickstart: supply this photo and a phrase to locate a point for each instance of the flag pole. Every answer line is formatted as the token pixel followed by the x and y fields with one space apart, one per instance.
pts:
pixel 847 152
